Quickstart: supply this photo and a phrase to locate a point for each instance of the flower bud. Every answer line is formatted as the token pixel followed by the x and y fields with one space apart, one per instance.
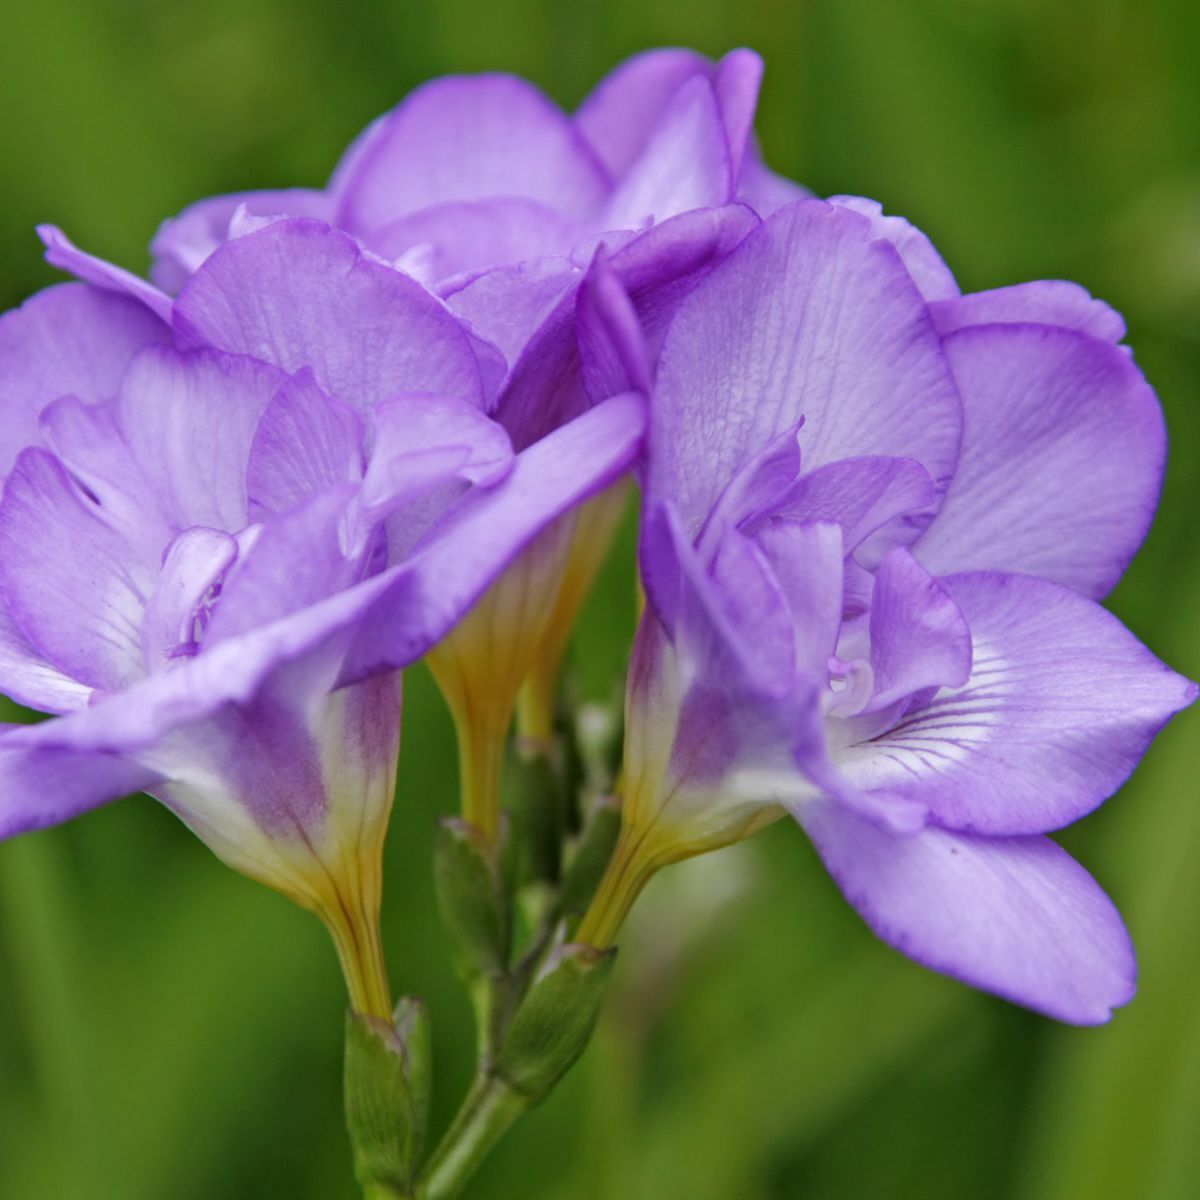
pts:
pixel 555 1022
pixel 387 1093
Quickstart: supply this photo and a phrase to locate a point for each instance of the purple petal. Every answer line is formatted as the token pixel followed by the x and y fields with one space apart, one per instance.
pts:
pixel 1062 458
pixel 424 441
pixel 61 252
pixel 657 269
pixel 30 680
pixel 1046 302
pixel 1014 916
pixel 737 81
pixel 611 347
pixel 926 266
pixel 809 318
pixel 508 305
pixel 807 561
pixel 685 164
pixel 878 502
pixel 297 560
pixel 919 638
pixel 67 577
pixel 67 340
pixel 470 138
pixel 422 599
pixel 42 786
pixel 1061 704
pixel 765 191
pixel 617 117
pixel 182 243
pixel 189 420
pixel 478 234
pixel 300 294
pixel 306 442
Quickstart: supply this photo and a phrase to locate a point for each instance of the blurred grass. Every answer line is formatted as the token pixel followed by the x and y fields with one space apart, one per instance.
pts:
pixel 168 1029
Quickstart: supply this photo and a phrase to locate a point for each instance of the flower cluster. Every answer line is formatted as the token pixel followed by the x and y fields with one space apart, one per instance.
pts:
pixel 346 428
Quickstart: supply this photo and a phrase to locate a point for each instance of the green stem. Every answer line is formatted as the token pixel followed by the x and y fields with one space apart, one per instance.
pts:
pixel 375 1190
pixel 490 1109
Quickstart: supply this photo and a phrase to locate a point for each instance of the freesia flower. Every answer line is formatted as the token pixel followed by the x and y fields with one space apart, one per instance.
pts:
pixel 487 192
pixel 879 516
pixel 219 541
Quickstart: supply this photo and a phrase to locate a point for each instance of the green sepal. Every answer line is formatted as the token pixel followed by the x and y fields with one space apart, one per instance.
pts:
pixel 555 1021
pixel 591 856
pixel 387 1086
pixel 472 898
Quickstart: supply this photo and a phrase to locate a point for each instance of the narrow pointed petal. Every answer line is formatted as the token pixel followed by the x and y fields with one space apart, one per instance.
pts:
pixel 1061 704
pixel 1062 458
pixel 1014 916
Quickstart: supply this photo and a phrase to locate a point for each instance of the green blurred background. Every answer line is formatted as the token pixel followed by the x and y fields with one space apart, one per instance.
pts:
pixel 168 1029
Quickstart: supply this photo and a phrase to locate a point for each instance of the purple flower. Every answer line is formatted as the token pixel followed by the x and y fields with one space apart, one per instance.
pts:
pixel 483 190
pixel 219 540
pixel 878 518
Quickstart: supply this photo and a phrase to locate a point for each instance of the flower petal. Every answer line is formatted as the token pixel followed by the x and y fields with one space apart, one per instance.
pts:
pixel 926 266
pixel 41 786
pixel 189 421
pixel 685 163
pixel 1045 302
pixel 67 577
pixel 473 235
pixel 468 138
pixel 64 254
pixel 619 114
pixel 67 340
pixel 1061 704
pixel 305 442
pixel 182 243
pixel 657 269
pixel 300 294
pixel 1014 916
pixel 809 318
pixel 29 679
pixel 919 638
pixel 422 599
pixel 1062 458
pixel 879 502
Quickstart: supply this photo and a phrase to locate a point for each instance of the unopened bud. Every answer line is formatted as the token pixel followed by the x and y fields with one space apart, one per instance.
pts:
pixel 555 1020
pixel 472 898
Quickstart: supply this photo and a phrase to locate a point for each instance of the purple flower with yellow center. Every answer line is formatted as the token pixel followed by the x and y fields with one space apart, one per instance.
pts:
pixel 220 539
pixel 488 193
pixel 878 518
